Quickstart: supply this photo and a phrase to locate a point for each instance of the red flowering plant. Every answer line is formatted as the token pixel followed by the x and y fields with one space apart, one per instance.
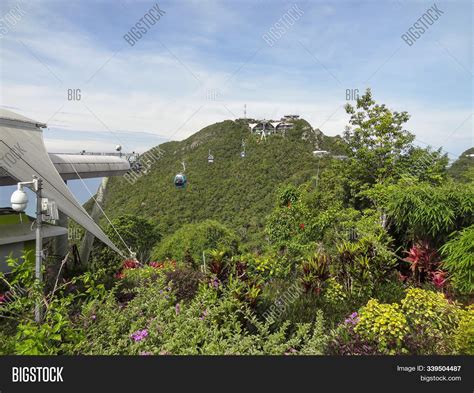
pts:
pixel 424 264
pixel 165 265
pixel 157 265
pixel 438 278
pixel 127 264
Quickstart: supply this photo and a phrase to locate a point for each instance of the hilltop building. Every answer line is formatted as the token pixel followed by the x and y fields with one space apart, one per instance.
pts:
pixel 268 127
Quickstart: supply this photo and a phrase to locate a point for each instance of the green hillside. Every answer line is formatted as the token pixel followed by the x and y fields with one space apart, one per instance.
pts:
pixel 462 168
pixel 239 192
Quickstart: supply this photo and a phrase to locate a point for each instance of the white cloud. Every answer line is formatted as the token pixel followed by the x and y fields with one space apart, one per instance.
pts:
pixel 146 89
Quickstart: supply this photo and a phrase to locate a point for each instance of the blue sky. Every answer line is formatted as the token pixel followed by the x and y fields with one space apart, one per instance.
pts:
pixel 159 89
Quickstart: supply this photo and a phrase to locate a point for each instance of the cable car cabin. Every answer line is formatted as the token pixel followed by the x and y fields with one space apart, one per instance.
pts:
pixel 242 154
pixel 180 180
pixel 210 158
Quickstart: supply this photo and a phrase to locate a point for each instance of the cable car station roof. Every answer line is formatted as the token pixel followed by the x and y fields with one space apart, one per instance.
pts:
pixel 23 155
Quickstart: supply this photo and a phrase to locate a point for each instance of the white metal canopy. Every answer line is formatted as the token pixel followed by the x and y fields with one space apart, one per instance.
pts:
pixel 23 155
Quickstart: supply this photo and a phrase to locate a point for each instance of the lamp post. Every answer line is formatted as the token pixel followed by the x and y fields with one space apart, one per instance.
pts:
pixel 19 201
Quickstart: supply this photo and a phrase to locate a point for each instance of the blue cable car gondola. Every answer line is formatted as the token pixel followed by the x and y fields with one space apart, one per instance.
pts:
pixel 180 179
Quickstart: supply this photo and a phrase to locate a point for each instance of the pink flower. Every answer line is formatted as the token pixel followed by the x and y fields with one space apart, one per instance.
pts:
pixel 177 308
pixel 353 319
pixel 139 335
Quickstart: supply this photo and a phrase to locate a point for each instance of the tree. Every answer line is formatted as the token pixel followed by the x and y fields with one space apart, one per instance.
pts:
pixel 377 140
pixel 139 234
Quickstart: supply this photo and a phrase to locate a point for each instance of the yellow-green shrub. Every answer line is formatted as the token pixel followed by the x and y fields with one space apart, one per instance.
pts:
pixel 430 311
pixel 334 292
pixel 383 323
pixel 464 334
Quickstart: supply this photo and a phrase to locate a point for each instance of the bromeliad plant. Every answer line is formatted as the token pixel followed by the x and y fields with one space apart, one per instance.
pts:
pixel 315 272
pixel 360 265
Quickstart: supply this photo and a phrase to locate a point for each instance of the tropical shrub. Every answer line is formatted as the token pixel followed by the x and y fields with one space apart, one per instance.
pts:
pixel 360 265
pixel 464 334
pixel 185 282
pixel 57 334
pixel 288 225
pixel 383 324
pixel 315 272
pixel 458 260
pixel 432 320
pixel 423 211
pixel 334 292
pixel 268 266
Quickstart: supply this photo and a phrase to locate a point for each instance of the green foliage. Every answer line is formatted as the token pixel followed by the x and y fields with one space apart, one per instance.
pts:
pixel 421 211
pixel 464 334
pixel 7 341
pixel 139 234
pixel 384 324
pixel 208 324
pixel 334 292
pixel 428 309
pixel 52 337
pixel 315 272
pixel 432 319
pixel 191 240
pixel 376 140
pixel 424 165
pixel 459 260
pixel 360 265
pixel 57 333
pixel 268 266
pixel 286 226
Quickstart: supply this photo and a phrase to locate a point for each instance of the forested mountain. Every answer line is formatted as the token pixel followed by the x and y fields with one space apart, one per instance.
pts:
pixel 239 192
pixel 461 169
